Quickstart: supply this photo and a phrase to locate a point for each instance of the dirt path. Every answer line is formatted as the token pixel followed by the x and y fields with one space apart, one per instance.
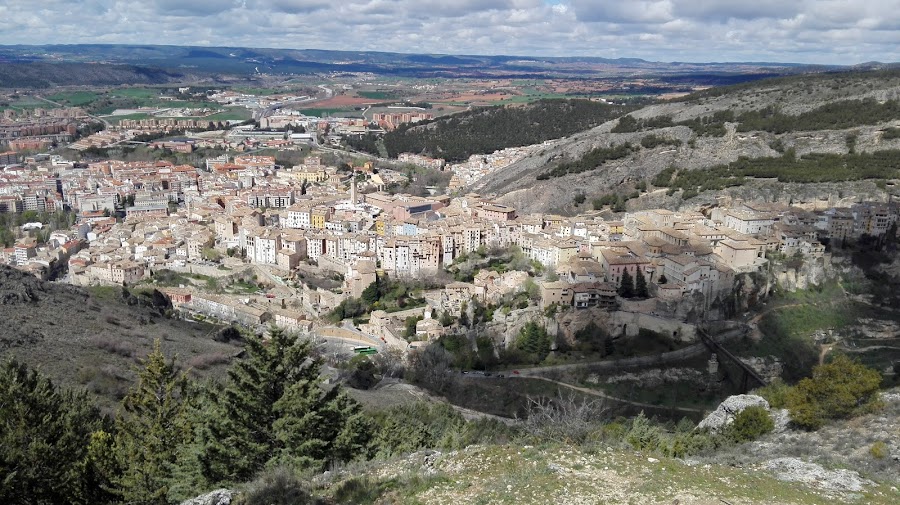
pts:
pixel 824 349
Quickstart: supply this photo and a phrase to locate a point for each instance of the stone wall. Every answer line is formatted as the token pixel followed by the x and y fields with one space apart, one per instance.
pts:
pixel 632 322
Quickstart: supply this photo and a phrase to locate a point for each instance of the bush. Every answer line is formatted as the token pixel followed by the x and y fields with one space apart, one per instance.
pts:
pixel 775 393
pixel 879 450
pixel 279 486
pixel 643 435
pixel 838 390
pixel 750 424
pixel 564 418
pixel 115 345
pixel 360 490
pixel 408 428
pixel 208 360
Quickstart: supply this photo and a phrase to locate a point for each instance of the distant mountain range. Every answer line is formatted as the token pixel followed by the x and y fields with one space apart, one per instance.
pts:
pixel 237 61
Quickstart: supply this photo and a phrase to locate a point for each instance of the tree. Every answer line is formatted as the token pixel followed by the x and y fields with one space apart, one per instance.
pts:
pixel 626 285
pixel 609 347
pixel 274 410
pixel 534 340
pixel 841 389
pixel 44 437
pixel 372 293
pixel 750 424
pixel 640 285
pixel 210 254
pixel 151 426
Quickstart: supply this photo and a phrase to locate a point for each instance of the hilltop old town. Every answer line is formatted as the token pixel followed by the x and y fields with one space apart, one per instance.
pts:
pixel 242 239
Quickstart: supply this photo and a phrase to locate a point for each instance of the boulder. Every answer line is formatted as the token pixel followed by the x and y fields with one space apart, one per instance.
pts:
pixel 795 470
pixel 728 409
pixel 217 497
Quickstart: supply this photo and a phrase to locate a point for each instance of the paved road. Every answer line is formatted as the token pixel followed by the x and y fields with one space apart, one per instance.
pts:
pixel 605 396
pixel 637 361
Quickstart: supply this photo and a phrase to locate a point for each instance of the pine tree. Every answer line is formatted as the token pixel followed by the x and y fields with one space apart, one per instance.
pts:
pixel 151 427
pixel 44 438
pixel 534 340
pixel 640 285
pixel 626 286
pixel 274 410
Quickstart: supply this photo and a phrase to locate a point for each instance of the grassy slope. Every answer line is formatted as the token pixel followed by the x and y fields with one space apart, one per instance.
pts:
pixel 93 339
pixel 564 474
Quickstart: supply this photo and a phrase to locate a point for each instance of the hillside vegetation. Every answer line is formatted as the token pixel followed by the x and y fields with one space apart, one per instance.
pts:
pixel 46 75
pixel 485 130
pixel 94 338
pixel 832 116
pixel 809 130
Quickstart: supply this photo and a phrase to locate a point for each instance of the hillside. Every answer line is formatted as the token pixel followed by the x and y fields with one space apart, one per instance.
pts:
pixel 93 338
pixel 784 126
pixel 485 130
pixel 574 475
pixel 47 75
pixel 851 461
pixel 248 61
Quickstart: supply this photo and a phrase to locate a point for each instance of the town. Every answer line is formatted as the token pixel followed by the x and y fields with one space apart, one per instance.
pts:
pixel 244 240
pixel 536 253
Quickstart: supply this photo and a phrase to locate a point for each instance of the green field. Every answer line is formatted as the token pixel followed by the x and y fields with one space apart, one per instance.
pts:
pixel 188 104
pixel 379 95
pixel 234 114
pixel 26 102
pixel 788 326
pixel 134 93
pixel 322 112
pixel 74 98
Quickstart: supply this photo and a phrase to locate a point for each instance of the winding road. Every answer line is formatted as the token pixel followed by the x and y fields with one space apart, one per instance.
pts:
pixel 605 396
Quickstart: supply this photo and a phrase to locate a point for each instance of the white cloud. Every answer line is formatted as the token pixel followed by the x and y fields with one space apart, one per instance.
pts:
pixel 817 31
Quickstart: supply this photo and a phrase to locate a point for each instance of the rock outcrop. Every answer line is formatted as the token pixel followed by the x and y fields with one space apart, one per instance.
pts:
pixel 796 470
pixel 217 497
pixel 728 409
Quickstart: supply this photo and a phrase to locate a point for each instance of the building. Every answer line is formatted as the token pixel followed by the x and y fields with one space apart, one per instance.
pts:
pixel 556 292
pixel 739 255
pixel 25 248
pixel 496 212
pixel 749 223
pixel 594 294
pixel 9 158
pixel 616 263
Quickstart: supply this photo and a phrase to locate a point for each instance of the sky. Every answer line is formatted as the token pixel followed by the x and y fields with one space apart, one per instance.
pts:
pixel 801 31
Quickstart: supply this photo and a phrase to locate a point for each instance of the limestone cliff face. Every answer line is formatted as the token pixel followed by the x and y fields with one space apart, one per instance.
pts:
pixel 793 275
pixel 505 327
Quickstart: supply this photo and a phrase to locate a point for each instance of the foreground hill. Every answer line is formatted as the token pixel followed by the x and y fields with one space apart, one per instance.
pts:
pixel 574 475
pixel 793 125
pixel 93 338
